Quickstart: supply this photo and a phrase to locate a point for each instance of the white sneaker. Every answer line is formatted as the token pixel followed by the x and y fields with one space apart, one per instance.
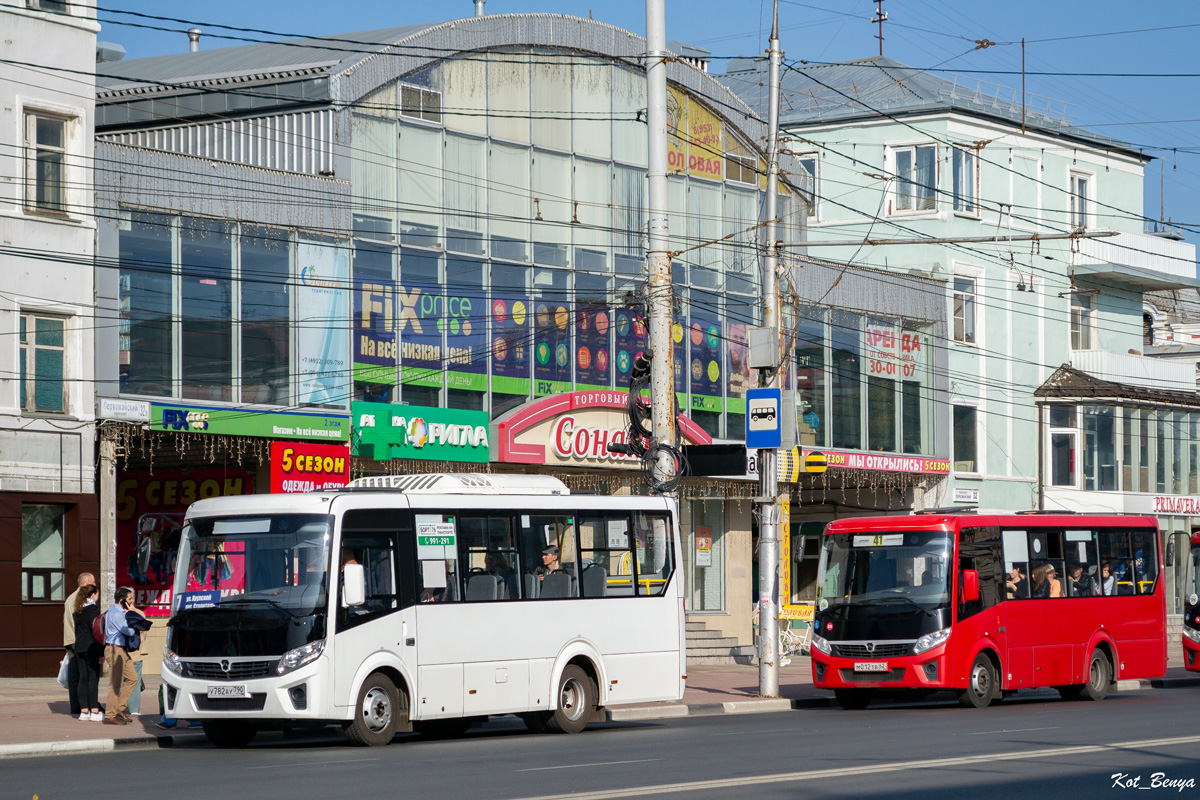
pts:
pixel 85 716
pixel 97 716
pixel 135 713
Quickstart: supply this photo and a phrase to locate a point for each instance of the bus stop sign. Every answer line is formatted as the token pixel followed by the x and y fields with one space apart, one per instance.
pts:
pixel 762 418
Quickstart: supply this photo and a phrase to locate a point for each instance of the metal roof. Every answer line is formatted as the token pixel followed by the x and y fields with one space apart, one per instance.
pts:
pixel 850 91
pixel 1068 382
pixel 250 62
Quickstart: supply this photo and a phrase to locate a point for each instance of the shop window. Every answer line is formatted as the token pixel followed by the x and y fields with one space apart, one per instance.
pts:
pixel 206 308
pixel 43 364
pixel 43 562
pixel 812 421
pixel 846 391
pixel 965 433
pixel 147 349
pixel 266 316
pixel 704 524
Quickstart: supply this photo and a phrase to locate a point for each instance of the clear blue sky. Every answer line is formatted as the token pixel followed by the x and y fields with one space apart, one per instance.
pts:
pixel 1153 112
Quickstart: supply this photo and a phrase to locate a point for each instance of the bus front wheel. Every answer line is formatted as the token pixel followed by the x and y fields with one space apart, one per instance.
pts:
pixel 226 733
pixel 377 712
pixel 576 702
pixel 981 684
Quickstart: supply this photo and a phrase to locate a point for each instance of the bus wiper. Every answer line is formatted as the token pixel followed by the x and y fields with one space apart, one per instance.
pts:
pixel 272 603
pixel 904 599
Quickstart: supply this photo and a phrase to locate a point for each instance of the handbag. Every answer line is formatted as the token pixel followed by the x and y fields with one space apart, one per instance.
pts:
pixel 62 671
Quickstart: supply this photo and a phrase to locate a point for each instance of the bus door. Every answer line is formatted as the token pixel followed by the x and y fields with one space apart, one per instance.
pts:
pixel 1018 617
pixel 979 549
pixel 381 541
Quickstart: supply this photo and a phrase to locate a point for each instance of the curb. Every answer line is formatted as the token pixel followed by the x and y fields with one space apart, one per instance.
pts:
pixel 751 705
pixel 86 746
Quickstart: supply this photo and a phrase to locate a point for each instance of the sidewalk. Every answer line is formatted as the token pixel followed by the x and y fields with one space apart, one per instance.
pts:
pixel 34 718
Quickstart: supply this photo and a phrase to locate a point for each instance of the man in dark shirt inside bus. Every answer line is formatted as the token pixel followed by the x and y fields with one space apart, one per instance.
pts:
pixel 1078 584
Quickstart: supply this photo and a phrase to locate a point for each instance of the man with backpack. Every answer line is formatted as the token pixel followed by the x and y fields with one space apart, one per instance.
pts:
pixel 121 673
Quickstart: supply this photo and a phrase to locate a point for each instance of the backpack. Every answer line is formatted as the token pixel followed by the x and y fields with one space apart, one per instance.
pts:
pixel 98 629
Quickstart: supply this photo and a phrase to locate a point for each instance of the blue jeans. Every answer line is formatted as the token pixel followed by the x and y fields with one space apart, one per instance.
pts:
pixel 135 699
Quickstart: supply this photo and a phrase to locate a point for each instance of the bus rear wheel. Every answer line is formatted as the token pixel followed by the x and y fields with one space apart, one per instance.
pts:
pixel 852 699
pixel 1099 676
pixel 576 702
pixel 377 712
pixel 226 733
pixel 981 684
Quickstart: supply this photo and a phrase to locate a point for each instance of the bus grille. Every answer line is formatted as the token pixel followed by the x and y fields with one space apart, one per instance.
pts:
pixel 255 702
pixel 880 651
pixel 894 675
pixel 238 670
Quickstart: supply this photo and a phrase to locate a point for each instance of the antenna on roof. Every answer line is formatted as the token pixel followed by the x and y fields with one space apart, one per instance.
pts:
pixel 880 18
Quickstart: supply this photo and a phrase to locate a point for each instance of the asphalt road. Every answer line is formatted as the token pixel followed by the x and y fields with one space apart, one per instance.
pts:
pixel 1036 748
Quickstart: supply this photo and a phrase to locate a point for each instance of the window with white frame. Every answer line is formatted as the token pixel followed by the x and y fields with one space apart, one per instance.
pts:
pixel 964 309
pixel 965 424
pixel 53 6
pixel 42 357
pixel 43 565
pixel 421 103
pixel 740 163
pixel 812 164
pixel 1081 185
pixel 1083 320
pixel 1064 437
pixel 46 162
pixel 916 178
pixel 965 169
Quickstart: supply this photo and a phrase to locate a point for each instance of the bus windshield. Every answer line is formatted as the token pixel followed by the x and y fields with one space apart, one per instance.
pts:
pixel 909 569
pixel 273 564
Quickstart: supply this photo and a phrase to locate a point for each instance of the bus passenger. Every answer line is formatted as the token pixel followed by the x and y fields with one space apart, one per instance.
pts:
pixel 1108 581
pixel 1017 583
pixel 1078 584
pixel 495 564
pixel 1046 582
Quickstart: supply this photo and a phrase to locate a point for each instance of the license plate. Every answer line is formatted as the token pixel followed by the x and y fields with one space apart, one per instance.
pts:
pixel 861 666
pixel 226 690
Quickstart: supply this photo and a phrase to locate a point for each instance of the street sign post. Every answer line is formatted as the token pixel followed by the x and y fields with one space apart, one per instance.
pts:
pixel 763 417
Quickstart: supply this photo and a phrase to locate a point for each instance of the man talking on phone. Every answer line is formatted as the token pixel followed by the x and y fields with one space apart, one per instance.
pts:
pixel 122 675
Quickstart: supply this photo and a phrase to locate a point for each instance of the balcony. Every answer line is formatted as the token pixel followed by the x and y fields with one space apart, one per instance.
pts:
pixel 1134 370
pixel 1139 261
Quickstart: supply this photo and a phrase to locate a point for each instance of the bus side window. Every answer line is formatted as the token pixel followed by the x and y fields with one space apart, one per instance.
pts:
pixel 369 538
pixel 654 552
pixel 1016 565
pixel 1114 551
pixel 1145 560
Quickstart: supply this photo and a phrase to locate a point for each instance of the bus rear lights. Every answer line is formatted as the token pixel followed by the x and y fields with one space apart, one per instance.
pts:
pixel 821 645
pixel 294 659
pixel 299 696
pixel 931 671
pixel 931 640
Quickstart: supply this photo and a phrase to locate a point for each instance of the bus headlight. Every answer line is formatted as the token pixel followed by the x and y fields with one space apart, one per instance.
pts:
pixel 171 661
pixel 1192 634
pixel 821 644
pixel 931 640
pixel 294 659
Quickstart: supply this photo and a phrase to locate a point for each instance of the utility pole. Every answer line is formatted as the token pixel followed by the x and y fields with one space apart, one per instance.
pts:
pixel 880 18
pixel 768 470
pixel 658 254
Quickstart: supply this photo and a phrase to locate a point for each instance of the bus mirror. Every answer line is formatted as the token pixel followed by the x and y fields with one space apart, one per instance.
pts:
pixel 797 549
pixel 1169 556
pixel 970 590
pixel 354 586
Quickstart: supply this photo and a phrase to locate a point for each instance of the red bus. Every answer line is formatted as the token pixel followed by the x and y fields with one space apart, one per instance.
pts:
pixel 986 605
pixel 1191 608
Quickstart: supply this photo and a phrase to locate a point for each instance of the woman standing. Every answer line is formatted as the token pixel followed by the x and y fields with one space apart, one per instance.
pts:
pixel 87 654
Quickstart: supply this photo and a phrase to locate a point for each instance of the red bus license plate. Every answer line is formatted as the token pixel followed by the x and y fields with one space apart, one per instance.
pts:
pixel 870 666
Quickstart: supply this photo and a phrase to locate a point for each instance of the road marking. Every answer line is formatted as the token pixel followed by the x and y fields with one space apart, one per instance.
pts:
pixel 1014 730
pixel 895 766
pixel 293 765
pixel 596 764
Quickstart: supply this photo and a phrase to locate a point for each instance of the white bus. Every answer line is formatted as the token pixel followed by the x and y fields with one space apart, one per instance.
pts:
pixel 423 602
